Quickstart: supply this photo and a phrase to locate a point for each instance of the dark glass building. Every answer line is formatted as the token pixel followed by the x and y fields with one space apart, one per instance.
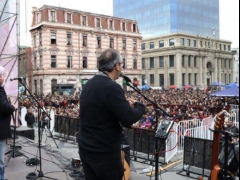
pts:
pixel 161 17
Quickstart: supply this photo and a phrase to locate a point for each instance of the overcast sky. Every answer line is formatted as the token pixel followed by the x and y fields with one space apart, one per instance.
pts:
pixel 229 15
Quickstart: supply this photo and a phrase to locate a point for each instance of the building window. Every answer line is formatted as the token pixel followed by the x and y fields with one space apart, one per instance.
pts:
pixel 183 79
pixel 35 85
pixel 69 62
pixel 134 44
pixel 151 45
pixel 225 47
pixel 172 42
pixel 195 61
pixel 190 78
pixel 53 38
pixel 172 80
pixel 152 79
pixel 35 62
pixel 188 42
pixel 225 63
pixel 135 64
pixel 161 43
pixel 182 42
pixel 124 44
pixel 35 40
pixel 53 61
pixel 230 64
pixel 111 42
pixel 110 24
pixel 40 38
pixel 220 46
pixel 171 60
pixel 123 26
pixel 41 62
pixel 38 18
pixel 229 47
pixel 134 28
pixel 84 20
pixel 98 62
pixel 124 63
pixel 152 62
pixel 143 63
pixel 69 38
pixel 201 43
pixel 98 22
pixel 161 61
pixel 230 77
pixel 189 61
pixel 195 79
pixel 99 42
pixel 143 46
pixel 69 18
pixel 183 60
pixel 85 63
pixel 161 79
pixel 52 16
pixel 209 45
pixel 84 40
pixel 194 43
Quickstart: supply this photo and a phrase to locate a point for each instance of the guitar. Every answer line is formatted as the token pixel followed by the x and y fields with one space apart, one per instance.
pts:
pixel 126 167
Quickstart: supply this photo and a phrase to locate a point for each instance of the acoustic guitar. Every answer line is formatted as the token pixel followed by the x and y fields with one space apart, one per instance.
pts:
pixel 126 167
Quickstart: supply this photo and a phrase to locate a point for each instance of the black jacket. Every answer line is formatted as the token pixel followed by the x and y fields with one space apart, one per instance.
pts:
pixel 29 118
pixel 103 109
pixel 6 111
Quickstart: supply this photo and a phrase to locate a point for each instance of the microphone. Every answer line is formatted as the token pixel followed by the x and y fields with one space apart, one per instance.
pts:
pixel 19 79
pixel 125 77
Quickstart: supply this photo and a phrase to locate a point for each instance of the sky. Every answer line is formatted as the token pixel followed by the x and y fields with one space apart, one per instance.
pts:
pixel 229 15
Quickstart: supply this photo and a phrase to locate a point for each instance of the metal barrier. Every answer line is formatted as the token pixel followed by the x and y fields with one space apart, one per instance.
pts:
pixel 234 106
pixel 201 132
pixel 171 144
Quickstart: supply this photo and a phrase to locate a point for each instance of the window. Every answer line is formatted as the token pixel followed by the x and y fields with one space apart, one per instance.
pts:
pixel 229 47
pixel 135 64
pixel 52 16
pixel 152 79
pixel 171 60
pixel 209 45
pixel 41 62
pixel 38 18
pixel 225 47
pixel 230 64
pixel 85 64
pixel 230 77
pixel 152 62
pixel 161 43
pixel 110 24
pixel 111 42
pixel 98 42
pixel 143 46
pixel 183 79
pixel 220 46
pixel 69 38
pixel 69 18
pixel 98 62
pixel 35 85
pixel 194 43
pixel 98 22
pixel 182 42
pixel 201 43
pixel 183 60
pixel 124 63
pixel 69 62
pixel 151 45
pixel 134 28
pixel 205 44
pixel 123 26
pixel 53 38
pixel 189 61
pixel 225 63
pixel 35 40
pixel 188 42
pixel 172 42
pixel 53 61
pixel 172 80
pixel 134 44
pixel 84 20
pixel 85 40
pixel 35 62
pixel 40 38
pixel 161 61
pixel 161 79
pixel 143 63
pixel 195 79
pixel 124 44
pixel 190 78
pixel 195 61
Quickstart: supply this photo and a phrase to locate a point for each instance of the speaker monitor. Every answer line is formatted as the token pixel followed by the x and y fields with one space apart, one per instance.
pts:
pixel 25 132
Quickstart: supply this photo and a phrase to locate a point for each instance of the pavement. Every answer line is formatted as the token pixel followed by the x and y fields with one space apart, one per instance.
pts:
pixel 57 162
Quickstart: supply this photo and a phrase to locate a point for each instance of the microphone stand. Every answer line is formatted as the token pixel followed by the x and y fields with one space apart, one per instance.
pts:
pixel 156 108
pixel 39 132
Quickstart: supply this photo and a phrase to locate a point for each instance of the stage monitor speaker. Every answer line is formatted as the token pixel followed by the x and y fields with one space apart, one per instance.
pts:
pixel 24 131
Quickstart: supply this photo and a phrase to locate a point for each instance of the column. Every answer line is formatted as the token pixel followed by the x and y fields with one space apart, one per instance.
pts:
pixel 204 72
pixel 200 67
pixel 219 69
pixel 178 70
pixel 215 79
pixel 187 70
pixel 166 74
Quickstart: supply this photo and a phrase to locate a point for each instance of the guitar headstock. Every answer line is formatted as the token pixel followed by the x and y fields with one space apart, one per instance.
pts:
pixel 219 122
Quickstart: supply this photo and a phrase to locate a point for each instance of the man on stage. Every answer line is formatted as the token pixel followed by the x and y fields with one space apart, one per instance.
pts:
pixel 6 110
pixel 103 109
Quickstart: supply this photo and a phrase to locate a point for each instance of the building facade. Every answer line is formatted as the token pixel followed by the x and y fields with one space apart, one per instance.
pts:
pixel 182 59
pixel 161 17
pixel 236 64
pixel 66 45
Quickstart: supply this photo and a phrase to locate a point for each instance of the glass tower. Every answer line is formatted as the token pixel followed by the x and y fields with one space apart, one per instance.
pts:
pixel 160 17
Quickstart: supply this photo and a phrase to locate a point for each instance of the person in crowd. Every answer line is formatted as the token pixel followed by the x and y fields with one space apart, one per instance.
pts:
pixel 30 118
pixel 104 109
pixel 6 110
pixel 231 127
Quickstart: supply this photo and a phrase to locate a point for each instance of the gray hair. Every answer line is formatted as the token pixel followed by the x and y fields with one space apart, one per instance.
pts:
pixel 108 59
pixel 1 70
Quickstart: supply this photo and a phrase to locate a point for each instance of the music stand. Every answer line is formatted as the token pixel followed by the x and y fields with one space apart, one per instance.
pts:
pixel 40 174
pixel 14 151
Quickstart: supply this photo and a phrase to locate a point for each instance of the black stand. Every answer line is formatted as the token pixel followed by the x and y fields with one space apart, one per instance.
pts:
pixel 14 151
pixel 39 131
pixel 157 110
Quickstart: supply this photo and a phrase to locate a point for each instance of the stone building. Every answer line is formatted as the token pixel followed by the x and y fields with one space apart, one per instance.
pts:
pixel 182 59
pixel 236 64
pixel 66 45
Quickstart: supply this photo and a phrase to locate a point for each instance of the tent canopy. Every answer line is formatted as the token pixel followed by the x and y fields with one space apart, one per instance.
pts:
pixel 217 84
pixel 232 85
pixel 231 92
pixel 146 87
pixel 188 87
pixel 173 87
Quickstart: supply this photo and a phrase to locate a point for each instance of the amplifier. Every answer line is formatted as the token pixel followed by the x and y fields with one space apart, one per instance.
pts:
pixel 24 131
